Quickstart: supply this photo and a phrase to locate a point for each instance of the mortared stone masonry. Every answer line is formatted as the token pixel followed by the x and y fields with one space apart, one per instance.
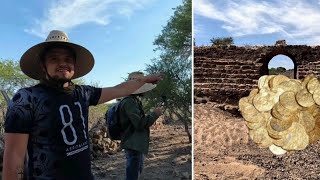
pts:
pixel 224 74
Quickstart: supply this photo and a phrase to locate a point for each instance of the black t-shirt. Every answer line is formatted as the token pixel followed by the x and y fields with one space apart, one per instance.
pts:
pixel 57 124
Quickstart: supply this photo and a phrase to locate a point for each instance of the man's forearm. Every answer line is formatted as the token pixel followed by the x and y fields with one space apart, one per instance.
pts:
pixel 120 90
pixel 130 86
pixel 127 88
pixel 14 153
pixel 13 170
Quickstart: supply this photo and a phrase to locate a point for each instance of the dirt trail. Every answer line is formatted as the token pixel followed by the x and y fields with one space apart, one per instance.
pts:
pixel 169 157
pixel 223 150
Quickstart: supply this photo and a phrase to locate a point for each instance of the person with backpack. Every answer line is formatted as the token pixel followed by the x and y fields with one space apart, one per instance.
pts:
pixel 136 127
pixel 48 122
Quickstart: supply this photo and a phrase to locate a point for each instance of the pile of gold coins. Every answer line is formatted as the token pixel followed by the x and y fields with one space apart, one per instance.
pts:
pixel 283 114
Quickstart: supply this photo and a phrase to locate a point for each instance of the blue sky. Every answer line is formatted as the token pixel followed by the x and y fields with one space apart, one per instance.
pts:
pixel 256 22
pixel 119 33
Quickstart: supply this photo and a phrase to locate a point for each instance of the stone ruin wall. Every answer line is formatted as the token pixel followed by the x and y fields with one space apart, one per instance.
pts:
pixel 224 74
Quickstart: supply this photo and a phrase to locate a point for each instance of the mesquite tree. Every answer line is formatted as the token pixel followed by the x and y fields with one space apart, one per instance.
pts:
pixel 175 46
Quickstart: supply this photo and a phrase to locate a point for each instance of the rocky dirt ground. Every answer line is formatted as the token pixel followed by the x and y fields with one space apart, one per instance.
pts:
pixel 169 157
pixel 223 150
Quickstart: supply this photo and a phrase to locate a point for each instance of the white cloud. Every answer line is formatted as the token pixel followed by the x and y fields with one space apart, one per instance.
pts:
pixel 67 14
pixel 197 28
pixel 294 19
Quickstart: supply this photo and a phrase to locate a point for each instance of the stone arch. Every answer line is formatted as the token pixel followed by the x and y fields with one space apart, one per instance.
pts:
pixel 269 55
pixel 224 74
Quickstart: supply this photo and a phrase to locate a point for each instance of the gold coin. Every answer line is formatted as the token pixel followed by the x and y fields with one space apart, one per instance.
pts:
pixel 281 142
pixel 314 135
pixel 253 117
pixel 317 120
pixel 248 111
pixel 316 96
pixel 282 113
pixel 283 139
pixel 312 109
pixel 288 101
pixel 266 143
pixel 259 121
pixel 306 120
pixel 315 111
pixel 266 83
pixel 296 138
pixel 276 150
pixel 275 113
pixel 262 81
pixel 261 137
pixel 291 85
pixel 273 133
pixel 304 98
pixel 252 94
pixel 276 80
pixel 306 80
pixel 313 85
pixel 280 125
pixel 251 132
pixel 243 102
pixel 264 101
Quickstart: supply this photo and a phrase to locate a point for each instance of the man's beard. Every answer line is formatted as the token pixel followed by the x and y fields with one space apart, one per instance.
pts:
pixel 59 80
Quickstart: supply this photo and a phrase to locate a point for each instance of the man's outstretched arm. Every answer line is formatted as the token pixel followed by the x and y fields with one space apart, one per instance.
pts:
pixel 126 88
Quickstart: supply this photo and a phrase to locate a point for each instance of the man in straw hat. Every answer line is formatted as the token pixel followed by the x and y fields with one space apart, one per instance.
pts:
pixel 136 136
pixel 49 122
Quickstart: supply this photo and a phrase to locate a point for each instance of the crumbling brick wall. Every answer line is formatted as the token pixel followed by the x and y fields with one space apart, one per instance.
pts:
pixel 224 74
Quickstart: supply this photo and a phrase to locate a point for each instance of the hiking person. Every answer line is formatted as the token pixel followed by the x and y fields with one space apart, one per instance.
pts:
pixel 48 122
pixel 136 126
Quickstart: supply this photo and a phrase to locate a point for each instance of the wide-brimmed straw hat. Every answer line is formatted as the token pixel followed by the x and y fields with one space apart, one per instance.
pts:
pixel 145 88
pixel 30 61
